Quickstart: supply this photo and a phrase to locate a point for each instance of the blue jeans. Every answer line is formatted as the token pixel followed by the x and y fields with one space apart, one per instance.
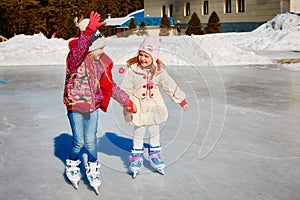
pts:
pixel 84 129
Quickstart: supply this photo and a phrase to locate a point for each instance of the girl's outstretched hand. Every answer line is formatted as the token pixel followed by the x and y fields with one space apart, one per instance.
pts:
pixel 131 107
pixel 186 107
pixel 94 21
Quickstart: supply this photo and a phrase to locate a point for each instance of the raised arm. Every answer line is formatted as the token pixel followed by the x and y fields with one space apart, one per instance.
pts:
pixel 79 47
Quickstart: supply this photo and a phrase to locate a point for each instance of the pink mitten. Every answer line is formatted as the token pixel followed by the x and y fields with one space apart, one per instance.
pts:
pixel 94 21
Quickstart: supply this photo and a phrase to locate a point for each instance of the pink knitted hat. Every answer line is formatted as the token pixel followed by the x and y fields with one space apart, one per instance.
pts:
pixel 151 46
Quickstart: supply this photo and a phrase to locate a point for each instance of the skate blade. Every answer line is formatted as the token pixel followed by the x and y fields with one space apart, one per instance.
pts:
pixel 161 171
pixel 96 188
pixel 75 185
pixel 135 174
pixel 96 191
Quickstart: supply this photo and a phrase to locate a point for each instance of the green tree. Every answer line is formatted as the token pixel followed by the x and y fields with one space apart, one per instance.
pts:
pixel 127 6
pixel 68 29
pixel 132 26
pixel 59 16
pixel 137 5
pixel 165 26
pixel 49 16
pixel 19 17
pixel 213 25
pixel 142 29
pixel 194 26
pixel 112 8
pixel 143 26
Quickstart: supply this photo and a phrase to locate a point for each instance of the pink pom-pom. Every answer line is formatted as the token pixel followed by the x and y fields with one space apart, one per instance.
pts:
pixel 150 83
pixel 121 70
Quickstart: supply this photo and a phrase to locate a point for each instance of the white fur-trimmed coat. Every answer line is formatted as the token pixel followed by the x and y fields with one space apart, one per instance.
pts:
pixel 151 108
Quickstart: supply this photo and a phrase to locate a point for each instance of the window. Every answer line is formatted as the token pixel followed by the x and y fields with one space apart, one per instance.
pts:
pixel 227 6
pixel 187 9
pixel 171 10
pixel 240 5
pixel 205 8
pixel 163 10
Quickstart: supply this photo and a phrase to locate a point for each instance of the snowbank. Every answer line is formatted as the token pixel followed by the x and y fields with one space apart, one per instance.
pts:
pixel 280 33
pixel 33 50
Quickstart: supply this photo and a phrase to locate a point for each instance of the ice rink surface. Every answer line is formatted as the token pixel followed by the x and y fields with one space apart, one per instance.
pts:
pixel 239 140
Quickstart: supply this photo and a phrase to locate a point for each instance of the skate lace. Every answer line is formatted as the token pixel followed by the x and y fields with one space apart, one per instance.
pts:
pixel 72 167
pixel 155 158
pixel 71 163
pixel 93 173
pixel 136 163
pixel 157 161
pixel 136 160
pixel 93 170
pixel 73 170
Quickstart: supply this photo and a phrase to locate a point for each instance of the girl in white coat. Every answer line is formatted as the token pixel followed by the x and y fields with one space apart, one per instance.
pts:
pixel 142 79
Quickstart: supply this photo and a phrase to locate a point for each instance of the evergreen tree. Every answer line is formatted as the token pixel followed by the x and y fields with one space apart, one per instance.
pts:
pixel 165 26
pixel 12 21
pixel 132 26
pixel 44 3
pixel 143 26
pixel 112 8
pixel 59 14
pixel 194 26
pixel 142 29
pixel 68 28
pixel 127 6
pixel 49 16
pixel 137 5
pixel 30 24
pixel 213 25
pixel 100 7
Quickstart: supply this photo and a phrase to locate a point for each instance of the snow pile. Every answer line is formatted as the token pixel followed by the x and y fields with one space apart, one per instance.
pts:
pixel 223 52
pixel 287 22
pixel 280 33
pixel 33 50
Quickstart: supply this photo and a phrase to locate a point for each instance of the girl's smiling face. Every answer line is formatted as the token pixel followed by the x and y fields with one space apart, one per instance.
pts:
pixel 145 59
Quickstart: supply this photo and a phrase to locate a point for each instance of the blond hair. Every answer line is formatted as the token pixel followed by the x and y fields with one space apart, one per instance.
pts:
pixel 135 59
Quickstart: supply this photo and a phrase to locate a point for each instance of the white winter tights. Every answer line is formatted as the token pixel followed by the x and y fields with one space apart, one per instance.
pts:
pixel 139 135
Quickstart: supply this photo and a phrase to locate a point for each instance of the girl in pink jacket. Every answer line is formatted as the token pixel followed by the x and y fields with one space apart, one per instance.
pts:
pixel 144 76
pixel 89 86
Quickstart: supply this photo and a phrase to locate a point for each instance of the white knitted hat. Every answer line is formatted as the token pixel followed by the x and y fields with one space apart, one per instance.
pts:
pixel 83 24
pixel 98 44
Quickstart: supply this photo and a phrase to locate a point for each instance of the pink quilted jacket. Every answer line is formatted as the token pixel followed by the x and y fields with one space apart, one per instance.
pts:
pixel 89 84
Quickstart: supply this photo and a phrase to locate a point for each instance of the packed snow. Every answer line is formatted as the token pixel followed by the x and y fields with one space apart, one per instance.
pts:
pixel 260 46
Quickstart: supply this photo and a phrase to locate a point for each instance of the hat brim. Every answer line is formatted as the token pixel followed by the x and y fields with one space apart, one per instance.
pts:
pixel 99 43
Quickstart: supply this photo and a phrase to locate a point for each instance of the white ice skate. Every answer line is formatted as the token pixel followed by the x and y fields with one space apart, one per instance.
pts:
pixel 136 165
pixel 93 175
pixel 155 160
pixel 73 172
pixel 136 162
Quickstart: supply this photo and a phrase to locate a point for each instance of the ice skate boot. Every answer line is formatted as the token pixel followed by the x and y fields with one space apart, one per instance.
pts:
pixel 155 160
pixel 93 175
pixel 136 161
pixel 73 172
